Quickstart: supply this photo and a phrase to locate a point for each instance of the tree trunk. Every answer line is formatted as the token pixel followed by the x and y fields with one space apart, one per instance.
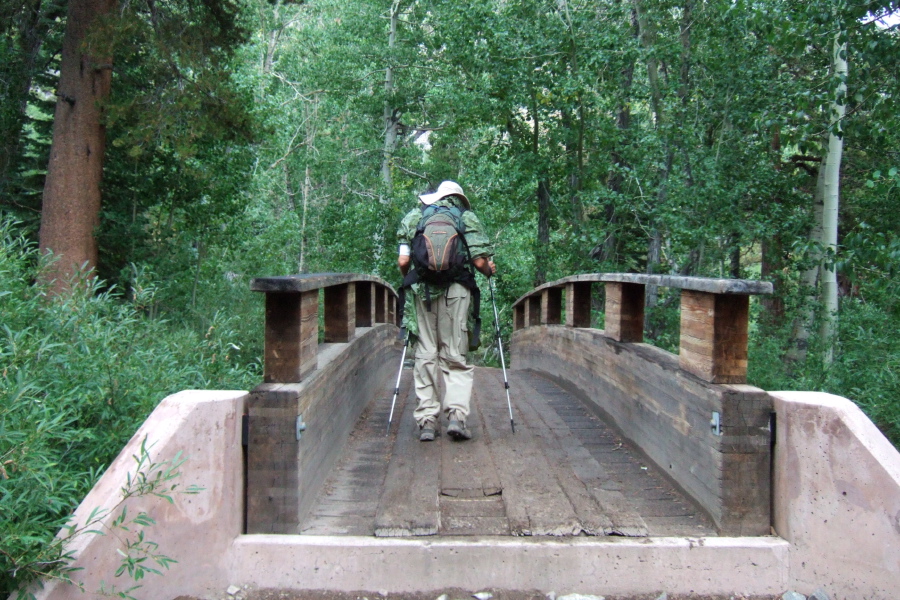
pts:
pixel 543 238
pixel 391 120
pixel 70 212
pixel 831 198
pixel 773 256
pixel 606 250
pixel 575 127
pixel 734 267
pixel 654 251
pixel 307 186
pixel 809 280
pixel 684 90
pixel 772 264
pixel 543 201
pixel 31 25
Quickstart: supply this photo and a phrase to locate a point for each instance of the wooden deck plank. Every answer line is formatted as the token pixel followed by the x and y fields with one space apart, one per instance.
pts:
pixel 602 512
pixel 467 469
pixel 630 481
pixel 549 479
pixel 535 502
pixel 346 504
pixel 408 505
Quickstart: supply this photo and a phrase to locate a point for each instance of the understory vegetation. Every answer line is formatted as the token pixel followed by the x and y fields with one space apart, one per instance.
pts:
pixel 247 138
pixel 77 378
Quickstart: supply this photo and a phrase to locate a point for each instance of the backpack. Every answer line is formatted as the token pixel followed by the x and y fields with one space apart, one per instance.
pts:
pixel 438 250
pixel 440 256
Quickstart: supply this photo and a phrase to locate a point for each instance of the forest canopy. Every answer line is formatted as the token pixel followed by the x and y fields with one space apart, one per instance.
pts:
pixel 178 149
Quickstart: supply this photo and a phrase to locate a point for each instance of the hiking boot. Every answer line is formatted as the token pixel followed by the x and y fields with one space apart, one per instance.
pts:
pixel 458 430
pixel 427 433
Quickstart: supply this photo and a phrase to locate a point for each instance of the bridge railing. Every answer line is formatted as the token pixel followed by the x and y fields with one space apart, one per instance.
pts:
pixel 692 414
pixel 714 315
pixel 298 420
pixel 350 300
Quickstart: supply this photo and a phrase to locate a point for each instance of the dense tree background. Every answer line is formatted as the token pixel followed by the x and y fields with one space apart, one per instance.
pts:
pixel 266 137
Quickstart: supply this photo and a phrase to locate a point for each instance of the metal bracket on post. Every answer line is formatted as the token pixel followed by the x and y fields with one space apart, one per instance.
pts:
pixel 301 426
pixel 716 423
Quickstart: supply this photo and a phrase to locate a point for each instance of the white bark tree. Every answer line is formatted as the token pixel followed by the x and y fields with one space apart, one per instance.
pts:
pixel 831 195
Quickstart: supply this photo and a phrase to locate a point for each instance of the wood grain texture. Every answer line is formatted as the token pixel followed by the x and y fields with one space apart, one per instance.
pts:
pixel 714 336
pixel 625 312
pixel 312 281
pixel 340 312
pixel 408 504
pixel 595 482
pixel 291 336
pixel 700 284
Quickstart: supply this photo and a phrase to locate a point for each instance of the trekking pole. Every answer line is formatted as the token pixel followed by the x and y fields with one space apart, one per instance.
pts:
pixel 502 360
pixel 397 387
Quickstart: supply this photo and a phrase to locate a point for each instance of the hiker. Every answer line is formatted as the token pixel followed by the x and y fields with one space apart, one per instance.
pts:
pixel 443 309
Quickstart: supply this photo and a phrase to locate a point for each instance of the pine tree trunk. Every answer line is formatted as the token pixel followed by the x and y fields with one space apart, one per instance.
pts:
pixel 70 212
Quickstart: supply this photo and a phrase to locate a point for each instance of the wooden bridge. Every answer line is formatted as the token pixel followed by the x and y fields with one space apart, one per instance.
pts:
pixel 631 470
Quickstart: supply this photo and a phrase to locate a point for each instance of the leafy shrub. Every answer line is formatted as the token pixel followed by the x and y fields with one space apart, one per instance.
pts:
pixel 78 375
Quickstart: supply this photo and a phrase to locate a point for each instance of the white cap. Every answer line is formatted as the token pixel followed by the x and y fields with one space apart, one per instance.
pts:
pixel 447 188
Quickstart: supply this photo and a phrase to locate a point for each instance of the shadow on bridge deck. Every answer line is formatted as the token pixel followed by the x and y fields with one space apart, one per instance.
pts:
pixel 563 473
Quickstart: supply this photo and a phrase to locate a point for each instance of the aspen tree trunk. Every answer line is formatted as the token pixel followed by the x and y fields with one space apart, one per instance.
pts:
pixel 71 203
pixel 272 38
pixel 307 185
pixel 831 197
pixel 391 121
pixel 809 280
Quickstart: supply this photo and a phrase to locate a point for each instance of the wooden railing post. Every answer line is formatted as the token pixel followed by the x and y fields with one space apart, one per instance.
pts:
pixel 380 303
pixel 292 321
pixel 340 312
pixel 392 309
pixel 625 312
pixel 292 330
pixel 578 304
pixel 714 336
pixel 551 306
pixel 519 319
pixel 534 311
pixel 364 306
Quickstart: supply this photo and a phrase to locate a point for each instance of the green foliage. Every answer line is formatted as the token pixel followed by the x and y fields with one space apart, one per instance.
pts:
pixel 79 375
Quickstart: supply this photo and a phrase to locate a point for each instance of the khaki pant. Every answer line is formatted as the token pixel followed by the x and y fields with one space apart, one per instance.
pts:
pixel 443 342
